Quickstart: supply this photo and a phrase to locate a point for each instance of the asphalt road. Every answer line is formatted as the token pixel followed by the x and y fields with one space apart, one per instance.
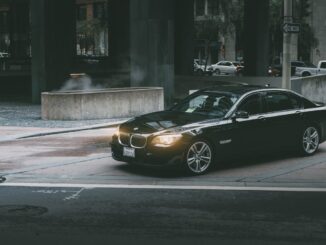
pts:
pixel 42 215
pixel 84 157
pixel 67 189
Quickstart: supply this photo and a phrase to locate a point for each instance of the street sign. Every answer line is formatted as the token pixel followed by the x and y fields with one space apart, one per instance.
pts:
pixel 291 28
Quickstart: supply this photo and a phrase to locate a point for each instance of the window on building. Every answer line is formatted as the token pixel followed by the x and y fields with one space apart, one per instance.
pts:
pixel 81 12
pixel 4 34
pixel 200 7
pixel 92 28
pixel 99 11
pixel 213 7
pixel 15 40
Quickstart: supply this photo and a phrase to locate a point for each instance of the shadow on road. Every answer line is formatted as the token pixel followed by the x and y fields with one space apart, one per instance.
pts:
pixel 171 172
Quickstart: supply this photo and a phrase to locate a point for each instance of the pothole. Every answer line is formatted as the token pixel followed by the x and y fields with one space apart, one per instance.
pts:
pixel 22 210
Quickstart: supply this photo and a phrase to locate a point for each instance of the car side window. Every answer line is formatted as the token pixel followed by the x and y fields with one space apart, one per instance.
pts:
pixel 277 101
pixel 296 101
pixel 323 65
pixel 251 104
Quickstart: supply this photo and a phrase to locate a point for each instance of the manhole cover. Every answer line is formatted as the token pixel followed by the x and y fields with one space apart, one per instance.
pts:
pixel 22 210
pixel 2 179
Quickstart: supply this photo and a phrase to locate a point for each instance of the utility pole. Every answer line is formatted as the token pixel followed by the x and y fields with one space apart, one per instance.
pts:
pixel 286 70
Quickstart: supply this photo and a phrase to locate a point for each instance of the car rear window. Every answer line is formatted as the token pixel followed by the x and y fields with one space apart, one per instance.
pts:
pixel 278 101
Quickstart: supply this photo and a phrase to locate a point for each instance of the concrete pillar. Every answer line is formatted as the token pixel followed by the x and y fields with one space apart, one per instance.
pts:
pixel 53 44
pixel 119 34
pixel 184 37
pixel 294 47
pixel 19 19
pixel 152 44
pixel 256 37
pixel 230 46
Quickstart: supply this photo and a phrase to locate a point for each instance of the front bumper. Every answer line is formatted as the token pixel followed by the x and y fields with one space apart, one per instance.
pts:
pixel 150 155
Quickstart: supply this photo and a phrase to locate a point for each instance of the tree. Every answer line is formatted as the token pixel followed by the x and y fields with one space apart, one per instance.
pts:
pixel 306 37
pixel 221 20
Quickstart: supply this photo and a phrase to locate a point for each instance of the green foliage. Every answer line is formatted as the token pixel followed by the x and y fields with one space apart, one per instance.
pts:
pixel 211 26
pixel 91 27
pixel 306 37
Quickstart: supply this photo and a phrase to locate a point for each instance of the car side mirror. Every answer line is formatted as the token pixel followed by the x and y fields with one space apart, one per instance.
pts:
pixel 241 114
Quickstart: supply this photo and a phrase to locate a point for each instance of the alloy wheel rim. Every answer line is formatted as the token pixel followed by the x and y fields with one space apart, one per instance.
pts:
pixel 310 140
pixel 199 157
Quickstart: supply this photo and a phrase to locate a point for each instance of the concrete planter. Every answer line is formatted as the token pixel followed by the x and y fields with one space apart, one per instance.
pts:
pixel 312 87
pixel 101 103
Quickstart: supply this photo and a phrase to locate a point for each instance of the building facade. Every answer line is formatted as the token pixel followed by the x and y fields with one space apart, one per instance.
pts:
pixel 318 23
pixel 147 42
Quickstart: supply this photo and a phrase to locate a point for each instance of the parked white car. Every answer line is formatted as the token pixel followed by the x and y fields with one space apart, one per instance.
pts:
pixel 4 55
pixel 227 67
pixel 199 67
pixel 309 71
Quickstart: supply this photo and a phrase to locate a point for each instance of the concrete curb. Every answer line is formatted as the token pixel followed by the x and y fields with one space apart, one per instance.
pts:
pixel 61 131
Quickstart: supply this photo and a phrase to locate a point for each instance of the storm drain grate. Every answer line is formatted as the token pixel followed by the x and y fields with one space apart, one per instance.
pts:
pixel 22 210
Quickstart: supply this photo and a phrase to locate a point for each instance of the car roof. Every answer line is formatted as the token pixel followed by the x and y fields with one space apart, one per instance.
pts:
pixel 238 89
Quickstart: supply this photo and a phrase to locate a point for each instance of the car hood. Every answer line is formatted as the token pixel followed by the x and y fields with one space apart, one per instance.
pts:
pixel 165 120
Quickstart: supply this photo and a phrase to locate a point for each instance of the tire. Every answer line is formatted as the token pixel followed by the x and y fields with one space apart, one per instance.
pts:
pixel 310 139
pixel 306 74
pixel 217 72
pixel 198 157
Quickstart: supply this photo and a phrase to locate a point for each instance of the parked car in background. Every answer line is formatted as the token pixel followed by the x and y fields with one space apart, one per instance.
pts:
pixel 201 67
pixel 228 68
pixel 4 55
pixel 309 70
pixel 276 69
pixel 219 122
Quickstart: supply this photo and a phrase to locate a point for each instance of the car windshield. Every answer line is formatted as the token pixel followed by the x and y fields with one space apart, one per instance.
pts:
pixel 212 104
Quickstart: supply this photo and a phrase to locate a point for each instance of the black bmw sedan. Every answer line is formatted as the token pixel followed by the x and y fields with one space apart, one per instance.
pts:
pixel 220 121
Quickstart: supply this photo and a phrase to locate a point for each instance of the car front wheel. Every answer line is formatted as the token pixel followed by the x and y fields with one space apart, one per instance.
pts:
pixel 217 72
pixel 310 141
pixel 198 157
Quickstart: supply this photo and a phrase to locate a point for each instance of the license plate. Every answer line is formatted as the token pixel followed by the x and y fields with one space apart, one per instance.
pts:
pixel 128 152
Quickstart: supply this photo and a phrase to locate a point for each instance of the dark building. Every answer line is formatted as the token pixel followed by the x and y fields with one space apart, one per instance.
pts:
pixel 117 42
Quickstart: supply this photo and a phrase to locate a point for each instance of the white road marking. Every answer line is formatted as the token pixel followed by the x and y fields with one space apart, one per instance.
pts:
pixel 51 191
pixel 171 187
pixel 74 196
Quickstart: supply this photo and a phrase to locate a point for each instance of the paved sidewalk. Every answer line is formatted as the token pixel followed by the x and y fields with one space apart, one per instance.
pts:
pixel 21 120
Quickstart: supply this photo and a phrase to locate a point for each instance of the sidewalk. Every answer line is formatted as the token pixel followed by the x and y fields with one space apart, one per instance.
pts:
pixel 22 120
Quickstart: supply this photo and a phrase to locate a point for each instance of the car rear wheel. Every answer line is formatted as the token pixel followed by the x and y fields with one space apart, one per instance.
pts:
pixel 310 141
pixel 198 157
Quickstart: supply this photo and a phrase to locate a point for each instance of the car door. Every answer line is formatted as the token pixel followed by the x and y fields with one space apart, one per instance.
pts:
pixel 248 133
pixel 228 68
pixel 283 116
pixel 222 67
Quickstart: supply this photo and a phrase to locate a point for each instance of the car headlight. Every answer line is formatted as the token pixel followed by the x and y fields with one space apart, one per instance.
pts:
pixel 117 131
pixel 166 140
